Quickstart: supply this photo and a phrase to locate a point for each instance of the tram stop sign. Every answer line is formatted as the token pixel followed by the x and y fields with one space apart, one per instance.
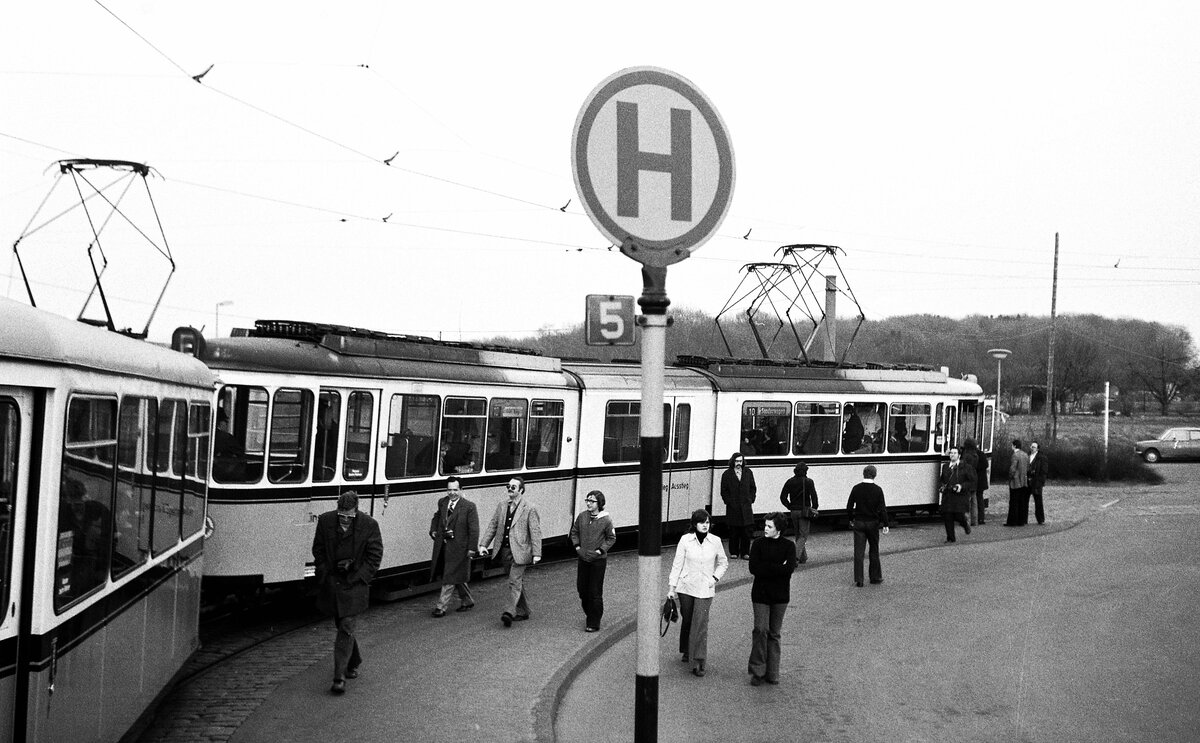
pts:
pixel 653 164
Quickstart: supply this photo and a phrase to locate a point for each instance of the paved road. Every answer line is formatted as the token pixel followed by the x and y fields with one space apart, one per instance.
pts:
pixel 1085 634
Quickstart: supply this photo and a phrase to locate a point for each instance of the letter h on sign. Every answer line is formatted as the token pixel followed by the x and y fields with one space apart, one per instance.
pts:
pixel 631 160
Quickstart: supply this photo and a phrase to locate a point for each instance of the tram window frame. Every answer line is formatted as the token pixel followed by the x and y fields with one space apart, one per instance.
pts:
pixel 510 452
pixel 683 422
pixel 823 417
pixel 466 419
pixel 239 453
pixel 10 455
pixel 195 474
pixel 756 442
pixel 137 419
pixel 166 519
pixel 987 441
pixel 290 436
pixel 89 434
pixel 546 422
pixel 872 441
pixel 970 413
pixel 412 440
pixel 359 436
pixel 910 414
pixel 329 427
pixel 623 431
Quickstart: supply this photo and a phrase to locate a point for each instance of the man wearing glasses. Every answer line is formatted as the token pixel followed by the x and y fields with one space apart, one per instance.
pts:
pixel 516 531
pixel 455 532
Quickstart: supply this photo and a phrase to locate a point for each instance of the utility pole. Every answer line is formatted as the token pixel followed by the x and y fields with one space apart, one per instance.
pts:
pixel 1050 361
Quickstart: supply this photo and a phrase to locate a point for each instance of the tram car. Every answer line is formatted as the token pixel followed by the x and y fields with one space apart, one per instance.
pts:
pixel 307 411
pixel 104 448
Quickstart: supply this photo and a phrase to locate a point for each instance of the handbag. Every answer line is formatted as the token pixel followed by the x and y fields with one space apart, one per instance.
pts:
pixel 670 613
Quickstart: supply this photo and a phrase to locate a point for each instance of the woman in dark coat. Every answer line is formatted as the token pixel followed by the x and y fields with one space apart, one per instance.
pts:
pixel 738 492
pixel 772 561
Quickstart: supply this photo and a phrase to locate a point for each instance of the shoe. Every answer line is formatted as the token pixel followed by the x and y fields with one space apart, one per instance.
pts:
pixel 757 680
pixel 858 583
pixel 874 582
pixel 685 658
pixel 698 671
pixel 591 629
pixel 439 613
pixel 950 539
pixel 465 607
pixel 351 673
pixel 339 686
pixel 773 682
pixel 507 619
pixel 520 617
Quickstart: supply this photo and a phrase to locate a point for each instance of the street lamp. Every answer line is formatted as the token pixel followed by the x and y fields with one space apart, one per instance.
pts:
pixel 217 317
pixel 999 354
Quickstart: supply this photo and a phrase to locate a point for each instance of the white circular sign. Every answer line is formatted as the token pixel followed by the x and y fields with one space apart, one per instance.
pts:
pixel 653 164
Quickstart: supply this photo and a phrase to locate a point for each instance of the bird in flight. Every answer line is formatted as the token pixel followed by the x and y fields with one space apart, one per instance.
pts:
pixel 1117 264
pixel 388 217
pixel 563 208
pixel 747 235
pixel 390 159
pixel 202 74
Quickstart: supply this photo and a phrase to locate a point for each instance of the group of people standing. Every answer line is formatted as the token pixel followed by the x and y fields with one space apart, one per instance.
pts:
pixel 1026 477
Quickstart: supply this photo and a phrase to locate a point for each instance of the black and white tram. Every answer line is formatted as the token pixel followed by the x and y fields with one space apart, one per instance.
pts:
pixel 104 447
pixel 307 411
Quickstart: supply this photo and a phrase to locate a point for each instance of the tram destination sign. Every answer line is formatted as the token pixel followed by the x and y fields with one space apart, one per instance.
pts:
pixel 653 164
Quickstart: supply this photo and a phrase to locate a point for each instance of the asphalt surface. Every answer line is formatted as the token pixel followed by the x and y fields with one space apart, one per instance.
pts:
pixel 1084 628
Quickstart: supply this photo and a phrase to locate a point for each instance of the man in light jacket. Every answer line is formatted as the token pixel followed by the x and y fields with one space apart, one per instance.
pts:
pixel 1018 487
pixel 516 531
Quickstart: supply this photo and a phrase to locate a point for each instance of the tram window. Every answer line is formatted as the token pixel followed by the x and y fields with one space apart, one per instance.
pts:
pixel 544 448
pixel 196 468
pixel 360 412
pixel 864 427
pixel 989 428
pixel 85 499
pixel 240 438
pixel 412 436
pixel 506 434
pixel 291 431
pixel 623 433
pixel 171 446
pixel 134 499
pixel 329 424
pixel 765 428
pixel 815 427
pixel 968 420
pixel 462 435
pixel 10 439
pixel 683 430
pixel 909 429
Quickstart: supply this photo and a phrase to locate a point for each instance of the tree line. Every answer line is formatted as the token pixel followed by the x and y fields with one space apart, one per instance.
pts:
pixel 1139 357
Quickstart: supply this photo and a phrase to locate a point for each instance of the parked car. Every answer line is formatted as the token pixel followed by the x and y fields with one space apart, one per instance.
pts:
pixel 1174 443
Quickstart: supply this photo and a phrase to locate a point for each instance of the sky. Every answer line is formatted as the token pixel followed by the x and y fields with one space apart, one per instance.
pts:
pixel 941 146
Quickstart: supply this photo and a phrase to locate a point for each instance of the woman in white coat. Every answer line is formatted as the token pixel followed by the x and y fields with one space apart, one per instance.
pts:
pixel 700 562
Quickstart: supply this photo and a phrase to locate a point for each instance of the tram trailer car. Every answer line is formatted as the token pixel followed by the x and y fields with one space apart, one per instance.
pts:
pixel 104 445
pixel 308 411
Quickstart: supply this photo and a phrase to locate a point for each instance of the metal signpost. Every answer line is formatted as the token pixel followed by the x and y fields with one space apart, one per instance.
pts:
pixel 653 167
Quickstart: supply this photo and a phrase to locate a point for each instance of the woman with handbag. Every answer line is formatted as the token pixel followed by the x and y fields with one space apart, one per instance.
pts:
pixel 700 562
pixel 772 562
pixel 799 496
pixel 738 492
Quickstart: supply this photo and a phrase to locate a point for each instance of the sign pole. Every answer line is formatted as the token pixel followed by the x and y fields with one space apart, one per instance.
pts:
pixel 654 303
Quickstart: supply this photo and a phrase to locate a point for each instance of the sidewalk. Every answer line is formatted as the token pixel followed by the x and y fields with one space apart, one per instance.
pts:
pixel 465 676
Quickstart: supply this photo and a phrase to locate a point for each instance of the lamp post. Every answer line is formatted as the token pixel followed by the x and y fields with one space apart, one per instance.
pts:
pixel 999 354
pixel 217 317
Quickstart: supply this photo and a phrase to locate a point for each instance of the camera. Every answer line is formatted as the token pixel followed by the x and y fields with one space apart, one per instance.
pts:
pixel 448 534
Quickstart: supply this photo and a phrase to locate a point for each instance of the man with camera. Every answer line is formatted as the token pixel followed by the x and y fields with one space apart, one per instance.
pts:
pixel 347 549
pixel 454 530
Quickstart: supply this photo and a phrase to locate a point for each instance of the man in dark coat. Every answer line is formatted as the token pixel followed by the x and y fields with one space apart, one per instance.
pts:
pixel 738 491
pixel 799 496
pixel 958 490
pixel 455 533
pixel 1039 466
pixel 347 550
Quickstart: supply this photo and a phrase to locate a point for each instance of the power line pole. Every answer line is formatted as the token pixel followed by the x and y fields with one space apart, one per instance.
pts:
pixel 1050 360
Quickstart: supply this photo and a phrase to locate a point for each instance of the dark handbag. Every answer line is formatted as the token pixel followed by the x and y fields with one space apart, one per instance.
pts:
pixel 670 613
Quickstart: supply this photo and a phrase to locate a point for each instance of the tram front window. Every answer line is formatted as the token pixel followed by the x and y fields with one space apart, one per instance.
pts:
pixel 240 440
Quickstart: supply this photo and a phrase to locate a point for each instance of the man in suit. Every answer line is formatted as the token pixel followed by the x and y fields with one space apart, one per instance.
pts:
pixel 347 549
pixel 1018 487
pixel 455 533
pixel 1038 467
pixel 958 492
pixel 516 531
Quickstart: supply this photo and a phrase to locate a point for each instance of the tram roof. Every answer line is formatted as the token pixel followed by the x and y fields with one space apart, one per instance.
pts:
pixel 765 375
pixel 40 337
pixel 331 350
pixel 628 375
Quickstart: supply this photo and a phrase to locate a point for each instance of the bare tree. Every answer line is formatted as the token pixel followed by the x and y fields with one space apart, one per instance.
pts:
pixel 1165 365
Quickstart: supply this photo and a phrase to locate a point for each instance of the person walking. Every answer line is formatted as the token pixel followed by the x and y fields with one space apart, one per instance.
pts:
pixel 1039 466
pixel 455 533
pixel 347 550
pixel 972 457
pixel 515 532
pixel 867 510
pixel 1018 487
pixel 699 564
pixel 738 492
pixel 958 491
pixel 799 497
pixel 593 535
pixel 772 561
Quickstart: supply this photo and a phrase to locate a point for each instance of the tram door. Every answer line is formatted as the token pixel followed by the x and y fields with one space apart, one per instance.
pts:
pixel 343 450
pixel 16 430
pixel 948 423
